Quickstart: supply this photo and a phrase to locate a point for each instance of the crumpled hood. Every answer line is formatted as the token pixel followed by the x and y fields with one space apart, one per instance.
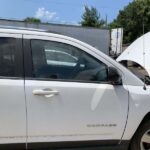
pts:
pixel 139 52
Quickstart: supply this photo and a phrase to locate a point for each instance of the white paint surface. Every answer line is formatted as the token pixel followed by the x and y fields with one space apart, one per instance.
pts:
pixel 139 52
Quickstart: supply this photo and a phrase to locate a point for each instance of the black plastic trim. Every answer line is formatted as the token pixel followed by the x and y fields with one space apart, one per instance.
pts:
pixel 76 145
pixel 27 58
pixel 19 58
pixel 18 146
pixel 80 145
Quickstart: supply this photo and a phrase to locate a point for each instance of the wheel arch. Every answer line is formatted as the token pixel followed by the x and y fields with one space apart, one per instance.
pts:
pixel 145 119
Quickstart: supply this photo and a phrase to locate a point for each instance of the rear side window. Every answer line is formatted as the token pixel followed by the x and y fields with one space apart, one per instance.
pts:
pixel 8 63
pixel 60 61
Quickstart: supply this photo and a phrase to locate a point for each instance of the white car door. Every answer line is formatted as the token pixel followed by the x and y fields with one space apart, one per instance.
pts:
pixel 71 102
pixel 12 98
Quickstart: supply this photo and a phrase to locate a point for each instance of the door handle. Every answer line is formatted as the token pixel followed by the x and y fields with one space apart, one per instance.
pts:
pixel 45 92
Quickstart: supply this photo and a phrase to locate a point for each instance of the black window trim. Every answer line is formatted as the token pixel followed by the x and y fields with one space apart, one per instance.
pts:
pixel 27 58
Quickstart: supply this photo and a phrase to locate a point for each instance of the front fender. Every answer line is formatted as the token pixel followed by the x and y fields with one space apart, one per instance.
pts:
pixel 139 106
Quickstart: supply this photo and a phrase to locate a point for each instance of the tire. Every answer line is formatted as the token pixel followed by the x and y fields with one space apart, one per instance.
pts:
pixel 141 139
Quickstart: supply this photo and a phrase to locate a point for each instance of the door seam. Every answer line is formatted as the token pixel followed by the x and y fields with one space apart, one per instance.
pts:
pixel 26 109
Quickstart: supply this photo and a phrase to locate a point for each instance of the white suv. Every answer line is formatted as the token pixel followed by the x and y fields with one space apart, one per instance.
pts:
pixel 87 101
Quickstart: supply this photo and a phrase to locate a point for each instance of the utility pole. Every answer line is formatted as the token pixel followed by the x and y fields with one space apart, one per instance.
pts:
pixel 106 21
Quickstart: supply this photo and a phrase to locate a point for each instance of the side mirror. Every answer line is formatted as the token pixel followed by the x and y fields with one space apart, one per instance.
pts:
pixel 113 76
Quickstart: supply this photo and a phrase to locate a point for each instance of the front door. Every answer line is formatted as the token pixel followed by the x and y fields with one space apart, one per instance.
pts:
pixel 12 97
pixel 69 97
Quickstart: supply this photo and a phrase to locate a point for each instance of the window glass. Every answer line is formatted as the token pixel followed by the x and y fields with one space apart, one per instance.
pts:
pixel 7 56
pixel 61 61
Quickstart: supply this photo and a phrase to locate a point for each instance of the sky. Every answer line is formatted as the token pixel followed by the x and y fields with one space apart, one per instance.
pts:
pixel 59 11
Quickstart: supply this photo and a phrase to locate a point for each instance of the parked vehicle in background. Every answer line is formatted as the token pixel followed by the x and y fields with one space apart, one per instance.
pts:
pixel 58 92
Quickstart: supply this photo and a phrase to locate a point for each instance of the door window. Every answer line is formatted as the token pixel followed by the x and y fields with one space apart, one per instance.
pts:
pixel 59 61
pixel 7 56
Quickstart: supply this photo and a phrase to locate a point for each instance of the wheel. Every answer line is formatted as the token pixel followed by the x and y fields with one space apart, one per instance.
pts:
pixel 141 139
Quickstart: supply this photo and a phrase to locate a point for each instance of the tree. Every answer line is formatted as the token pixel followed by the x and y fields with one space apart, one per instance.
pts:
pixel 32 20
pixel 132 18
pixel 91 18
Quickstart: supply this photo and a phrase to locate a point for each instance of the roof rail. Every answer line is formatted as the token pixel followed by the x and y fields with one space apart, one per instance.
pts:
pixel 23 28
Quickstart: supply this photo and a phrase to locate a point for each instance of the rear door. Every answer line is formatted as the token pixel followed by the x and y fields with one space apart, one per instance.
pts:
pixel 12 98
pixel 70 101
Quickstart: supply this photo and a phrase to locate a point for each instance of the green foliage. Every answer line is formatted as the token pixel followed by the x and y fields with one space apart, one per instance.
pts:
pixel 132 18
pixel 32 20
pixel 91 18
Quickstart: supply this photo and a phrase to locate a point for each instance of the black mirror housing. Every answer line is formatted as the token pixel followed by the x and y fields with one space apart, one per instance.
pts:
pixel 113 76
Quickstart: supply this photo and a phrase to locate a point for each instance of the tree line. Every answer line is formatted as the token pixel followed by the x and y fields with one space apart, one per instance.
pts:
pixel 134 19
